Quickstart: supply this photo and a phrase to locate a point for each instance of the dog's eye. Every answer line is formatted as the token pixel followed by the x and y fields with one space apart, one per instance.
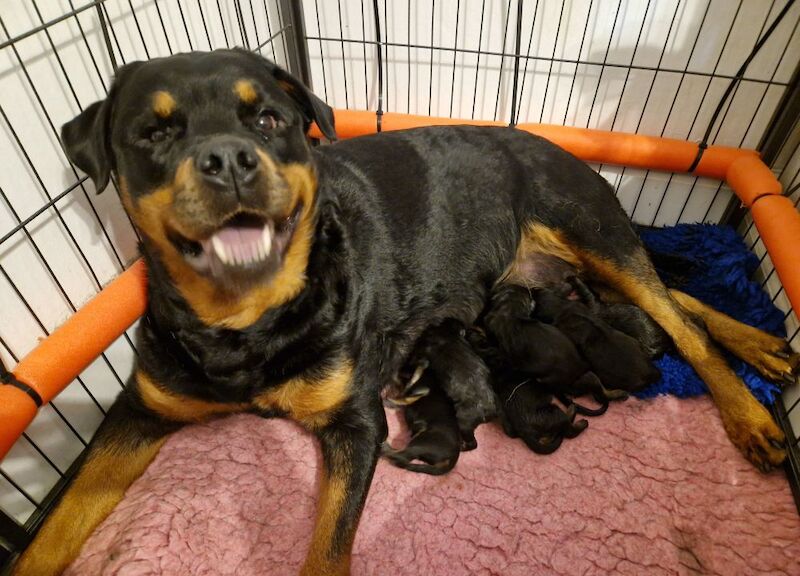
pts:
pixel 265 121
pixel 157 135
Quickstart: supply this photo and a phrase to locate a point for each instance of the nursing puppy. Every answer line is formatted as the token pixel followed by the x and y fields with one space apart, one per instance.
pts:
pixel 435 436
pixel 527 410
pixel 617 359
pixel 286 280
pixel 455 368
pixel 543 353
pixel 626 318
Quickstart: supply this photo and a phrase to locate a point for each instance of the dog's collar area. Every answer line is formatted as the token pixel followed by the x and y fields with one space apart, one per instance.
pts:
pixel 172 344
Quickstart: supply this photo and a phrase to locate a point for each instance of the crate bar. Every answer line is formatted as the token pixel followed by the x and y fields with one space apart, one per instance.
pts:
pixel 60 357
pixel 73 346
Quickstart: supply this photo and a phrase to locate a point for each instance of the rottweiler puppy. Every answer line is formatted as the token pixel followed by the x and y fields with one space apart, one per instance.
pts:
pixel 286 280
pixel 527 410
pixel 530 414
pixel 539 351
pixel 626 318
pixel 462 375
pixel 435 435
pixel 617 359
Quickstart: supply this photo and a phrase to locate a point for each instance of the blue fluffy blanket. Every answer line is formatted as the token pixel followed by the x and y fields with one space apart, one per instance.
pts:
pixel 716 270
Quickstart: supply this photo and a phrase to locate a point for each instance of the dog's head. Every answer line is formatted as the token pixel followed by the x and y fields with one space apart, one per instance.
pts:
pixel 215 170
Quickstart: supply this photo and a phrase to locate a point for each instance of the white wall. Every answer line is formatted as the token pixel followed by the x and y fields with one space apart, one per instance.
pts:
pixel 588 83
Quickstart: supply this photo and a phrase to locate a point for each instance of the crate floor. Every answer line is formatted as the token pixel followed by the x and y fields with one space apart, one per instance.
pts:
pixel 652 487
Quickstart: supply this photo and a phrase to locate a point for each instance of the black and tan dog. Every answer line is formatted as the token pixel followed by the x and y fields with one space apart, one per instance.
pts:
pixel 295 282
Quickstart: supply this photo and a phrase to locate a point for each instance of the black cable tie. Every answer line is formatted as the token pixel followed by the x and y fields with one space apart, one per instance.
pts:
pixel 759 197
pixel 701 147
pixel 9 379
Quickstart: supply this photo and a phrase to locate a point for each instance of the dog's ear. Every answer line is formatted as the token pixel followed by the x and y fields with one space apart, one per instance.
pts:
pixel 313 108
pixel 87 137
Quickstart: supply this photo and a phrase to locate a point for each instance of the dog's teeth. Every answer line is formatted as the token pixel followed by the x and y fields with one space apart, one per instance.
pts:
pixel 266 240
pixel 219 249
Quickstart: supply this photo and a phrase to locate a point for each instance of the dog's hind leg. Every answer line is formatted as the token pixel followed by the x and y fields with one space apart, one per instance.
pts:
pixel 748 424
pixel 768 354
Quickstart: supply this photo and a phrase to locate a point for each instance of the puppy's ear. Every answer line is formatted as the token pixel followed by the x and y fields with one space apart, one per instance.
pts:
pixel 87 137
pixel 313 108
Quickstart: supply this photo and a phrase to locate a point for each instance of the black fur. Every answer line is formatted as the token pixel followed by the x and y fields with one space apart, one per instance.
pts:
pixel 460 373
pixel 617 359
pixel 410 228
pixel 541 352
pixel 435 435
pixel 527 410
pixel 627 318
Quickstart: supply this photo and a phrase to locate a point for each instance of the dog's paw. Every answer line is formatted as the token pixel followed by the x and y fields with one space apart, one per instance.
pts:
pixel 771 356
pixel 753 431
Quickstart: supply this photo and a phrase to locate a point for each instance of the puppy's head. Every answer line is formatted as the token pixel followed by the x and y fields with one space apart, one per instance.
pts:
pixel 215 170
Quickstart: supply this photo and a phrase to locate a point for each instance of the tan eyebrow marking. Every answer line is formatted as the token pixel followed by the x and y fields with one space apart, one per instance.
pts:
pixel 246 91
pixel 163 104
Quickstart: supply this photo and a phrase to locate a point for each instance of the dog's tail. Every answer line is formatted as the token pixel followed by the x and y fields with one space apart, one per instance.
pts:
pixel 584 410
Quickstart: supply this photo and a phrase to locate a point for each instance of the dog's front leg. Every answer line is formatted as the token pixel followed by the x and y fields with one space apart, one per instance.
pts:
pixel 125 444
pixel 350 447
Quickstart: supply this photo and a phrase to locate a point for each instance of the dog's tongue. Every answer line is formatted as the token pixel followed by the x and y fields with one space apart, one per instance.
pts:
pixel 241 244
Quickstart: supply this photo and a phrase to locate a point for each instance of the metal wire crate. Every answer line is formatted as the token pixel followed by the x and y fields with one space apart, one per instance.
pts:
pixel 657 67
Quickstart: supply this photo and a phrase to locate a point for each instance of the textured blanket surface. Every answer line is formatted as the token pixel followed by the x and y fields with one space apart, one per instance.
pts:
pixel 653 487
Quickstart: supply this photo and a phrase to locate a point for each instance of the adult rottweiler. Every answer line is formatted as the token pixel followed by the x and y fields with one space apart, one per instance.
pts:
pixel 286 280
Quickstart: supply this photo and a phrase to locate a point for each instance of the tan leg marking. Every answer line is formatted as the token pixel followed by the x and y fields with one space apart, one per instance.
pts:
pixel 332 497
pixel 748 424
pixel 536 238
pixel 768 354
pixel 98 487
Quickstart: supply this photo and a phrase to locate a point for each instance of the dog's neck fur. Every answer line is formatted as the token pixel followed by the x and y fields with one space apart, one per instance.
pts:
pixel 241 362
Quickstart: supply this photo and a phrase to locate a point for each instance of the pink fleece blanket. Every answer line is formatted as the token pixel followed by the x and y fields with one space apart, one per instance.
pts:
pixel 653 487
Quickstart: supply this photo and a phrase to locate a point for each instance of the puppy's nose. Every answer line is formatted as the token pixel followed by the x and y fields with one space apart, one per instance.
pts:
pixel 227 162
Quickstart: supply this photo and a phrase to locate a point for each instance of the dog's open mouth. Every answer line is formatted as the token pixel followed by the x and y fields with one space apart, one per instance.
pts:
pixel 247 245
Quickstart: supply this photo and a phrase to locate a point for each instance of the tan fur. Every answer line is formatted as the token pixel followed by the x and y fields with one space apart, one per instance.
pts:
pixel 98 487
pixel 767 353
pixel 179 407
pixel 748 424
pixel 332 497
pixel 246 92
pixel 310 402
pixel 153 216
pixel 163 104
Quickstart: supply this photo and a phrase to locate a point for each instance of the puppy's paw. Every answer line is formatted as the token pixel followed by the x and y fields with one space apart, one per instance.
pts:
pixel 576 428
pixel 753 431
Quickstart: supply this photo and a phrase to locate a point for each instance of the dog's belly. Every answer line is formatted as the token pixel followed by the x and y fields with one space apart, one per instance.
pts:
pixel 540 270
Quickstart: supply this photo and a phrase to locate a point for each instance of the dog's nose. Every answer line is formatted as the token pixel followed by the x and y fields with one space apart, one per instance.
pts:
pixel 225 162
